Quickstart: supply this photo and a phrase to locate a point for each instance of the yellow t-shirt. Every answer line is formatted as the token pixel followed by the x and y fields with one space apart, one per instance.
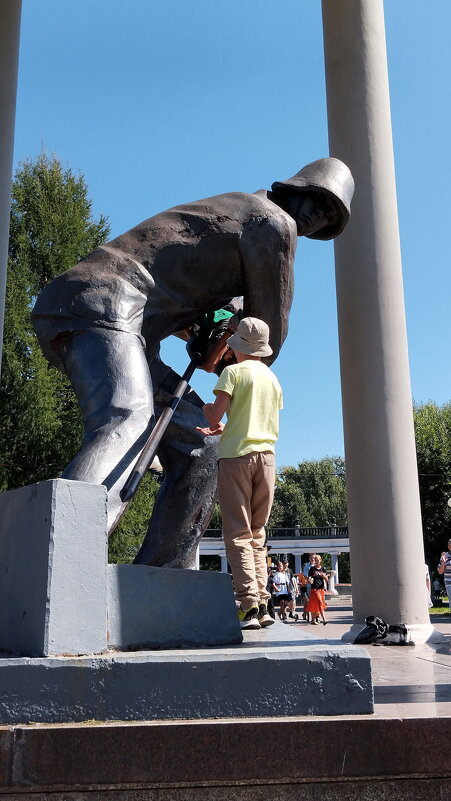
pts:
pixel 253 416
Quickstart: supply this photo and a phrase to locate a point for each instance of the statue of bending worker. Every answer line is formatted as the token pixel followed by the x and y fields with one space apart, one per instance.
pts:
pixel 101 322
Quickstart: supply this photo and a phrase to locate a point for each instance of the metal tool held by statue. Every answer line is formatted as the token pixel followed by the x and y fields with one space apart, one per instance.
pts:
pixel 151 446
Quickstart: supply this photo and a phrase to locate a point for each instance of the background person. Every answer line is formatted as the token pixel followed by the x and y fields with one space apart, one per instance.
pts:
pixel 303 584
pixel 428 585
pixel 250 394
pixel 437 590
pixel 308 586
pixel 318 582
pixel 270 588
pixel 444 569
pixel 293 589
pixel 281 584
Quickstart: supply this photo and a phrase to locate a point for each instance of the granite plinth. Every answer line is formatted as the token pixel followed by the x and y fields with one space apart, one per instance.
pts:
pixel 287 760
pixel 283 670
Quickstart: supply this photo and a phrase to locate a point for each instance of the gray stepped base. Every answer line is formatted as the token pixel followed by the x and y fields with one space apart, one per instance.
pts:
pixel 275 669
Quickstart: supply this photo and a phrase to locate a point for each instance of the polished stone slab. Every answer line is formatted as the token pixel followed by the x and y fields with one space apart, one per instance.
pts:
pixel 250 760
pixel 275 668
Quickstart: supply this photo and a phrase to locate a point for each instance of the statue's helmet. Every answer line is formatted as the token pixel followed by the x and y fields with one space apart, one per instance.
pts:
pixel 330 177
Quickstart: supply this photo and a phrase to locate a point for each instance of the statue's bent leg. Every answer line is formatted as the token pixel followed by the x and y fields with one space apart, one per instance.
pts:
pixel 186 498
pixel 110 376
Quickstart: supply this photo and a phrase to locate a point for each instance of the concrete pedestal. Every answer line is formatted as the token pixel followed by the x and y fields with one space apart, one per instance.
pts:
pixel 68 619
pixel 53 555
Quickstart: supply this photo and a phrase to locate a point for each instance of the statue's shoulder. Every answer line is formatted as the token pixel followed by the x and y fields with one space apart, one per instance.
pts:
pixel 243 207
pixel 239 203
pixel 276 216
pixel 258 206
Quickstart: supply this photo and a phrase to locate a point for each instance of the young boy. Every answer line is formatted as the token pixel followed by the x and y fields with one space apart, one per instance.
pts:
pixel 251 395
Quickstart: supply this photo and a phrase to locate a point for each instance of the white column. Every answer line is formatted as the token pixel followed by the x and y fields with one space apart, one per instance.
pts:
pixel 332 589
pixel 334 574
pixel 9 58
pixel 334 558
pixel 197 559
pixel 297 563
pixel 386 544
pixel 223 564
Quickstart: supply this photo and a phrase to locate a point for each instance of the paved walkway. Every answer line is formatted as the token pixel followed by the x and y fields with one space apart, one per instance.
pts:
pixel 409 682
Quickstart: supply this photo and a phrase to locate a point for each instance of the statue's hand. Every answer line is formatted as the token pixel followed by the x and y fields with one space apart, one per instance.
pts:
pixel 211 431
pixel 215 353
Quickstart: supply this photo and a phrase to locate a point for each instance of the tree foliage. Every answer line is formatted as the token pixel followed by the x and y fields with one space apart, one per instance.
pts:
pixel 126 539
pixel 51 229
pixel 311 494
pixel 216 519
pixel 433 443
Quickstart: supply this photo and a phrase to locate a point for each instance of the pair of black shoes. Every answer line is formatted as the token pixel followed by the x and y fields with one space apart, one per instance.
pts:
pixel 379 632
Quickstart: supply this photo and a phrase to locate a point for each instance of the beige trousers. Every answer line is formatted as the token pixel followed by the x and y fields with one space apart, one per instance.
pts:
pixel 246 492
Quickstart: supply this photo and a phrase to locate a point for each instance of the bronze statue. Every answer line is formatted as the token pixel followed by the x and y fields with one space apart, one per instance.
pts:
pixel 102 321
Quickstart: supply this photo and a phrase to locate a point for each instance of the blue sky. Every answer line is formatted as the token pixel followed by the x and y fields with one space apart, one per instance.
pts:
pixel 159 102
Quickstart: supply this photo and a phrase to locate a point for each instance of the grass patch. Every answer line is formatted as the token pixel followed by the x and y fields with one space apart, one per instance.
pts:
pixel 439 610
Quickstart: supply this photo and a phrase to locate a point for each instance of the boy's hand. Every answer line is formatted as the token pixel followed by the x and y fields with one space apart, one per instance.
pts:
pixel 211 431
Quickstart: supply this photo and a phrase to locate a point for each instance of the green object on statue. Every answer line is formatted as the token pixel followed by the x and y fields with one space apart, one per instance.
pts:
pixel 211 319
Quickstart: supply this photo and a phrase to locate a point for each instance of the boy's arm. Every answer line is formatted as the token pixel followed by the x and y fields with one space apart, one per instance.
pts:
pixel 214 412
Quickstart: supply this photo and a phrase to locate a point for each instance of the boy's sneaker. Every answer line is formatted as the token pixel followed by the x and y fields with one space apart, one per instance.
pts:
pixel 264 618
pixel 249 618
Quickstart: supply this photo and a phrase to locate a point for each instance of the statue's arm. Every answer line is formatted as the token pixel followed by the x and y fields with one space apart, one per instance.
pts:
pixel 268 248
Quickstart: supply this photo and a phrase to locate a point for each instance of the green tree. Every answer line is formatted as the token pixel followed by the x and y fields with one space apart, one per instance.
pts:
pixel 126 539
pixel 433 442
pixel 311 494
pixel 216 519
pixel 51 229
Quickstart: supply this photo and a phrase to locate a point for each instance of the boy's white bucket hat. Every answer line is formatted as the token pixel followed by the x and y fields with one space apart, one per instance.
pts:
pixel 251 337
